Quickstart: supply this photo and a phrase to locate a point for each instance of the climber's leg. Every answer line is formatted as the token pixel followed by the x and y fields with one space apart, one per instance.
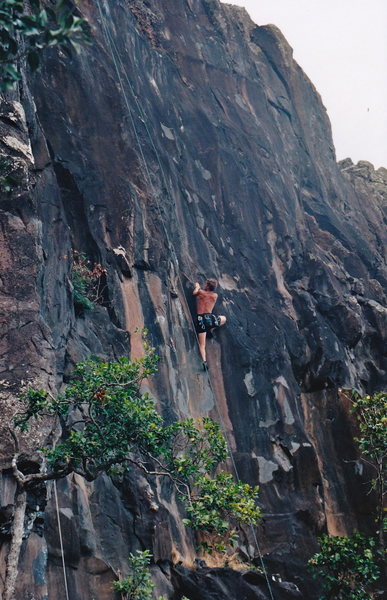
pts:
pixel 202 345
pixel 221 319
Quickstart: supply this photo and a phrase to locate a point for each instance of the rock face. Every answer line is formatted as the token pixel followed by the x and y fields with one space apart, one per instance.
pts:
pixel 187 143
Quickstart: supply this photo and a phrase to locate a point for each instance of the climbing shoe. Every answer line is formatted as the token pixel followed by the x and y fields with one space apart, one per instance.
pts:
pixel 205 366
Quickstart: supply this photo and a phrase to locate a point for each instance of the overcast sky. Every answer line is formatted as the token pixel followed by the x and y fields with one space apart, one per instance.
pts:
pixel 342 47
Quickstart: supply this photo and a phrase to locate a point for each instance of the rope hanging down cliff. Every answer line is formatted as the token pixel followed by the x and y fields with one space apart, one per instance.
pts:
pixel 61 541
pixel 117 60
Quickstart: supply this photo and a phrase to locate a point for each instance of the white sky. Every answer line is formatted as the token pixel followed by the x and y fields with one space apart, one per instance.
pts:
pixel 342 47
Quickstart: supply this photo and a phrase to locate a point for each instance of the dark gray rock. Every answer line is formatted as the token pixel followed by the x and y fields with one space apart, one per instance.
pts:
pixel 189 144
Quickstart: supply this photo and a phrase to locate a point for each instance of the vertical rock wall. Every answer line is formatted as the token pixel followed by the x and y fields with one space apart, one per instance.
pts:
pixel 187 143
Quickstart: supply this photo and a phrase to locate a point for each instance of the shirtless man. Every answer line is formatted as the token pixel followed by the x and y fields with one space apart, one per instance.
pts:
pixel 205 319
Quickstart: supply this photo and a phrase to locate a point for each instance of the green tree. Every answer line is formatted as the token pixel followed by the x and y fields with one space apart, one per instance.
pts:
pixel 27 27
pixel 108 425
pixel 347 566
pixel 87 280
pixel 371 414
pixel 371 417
pixel 138 584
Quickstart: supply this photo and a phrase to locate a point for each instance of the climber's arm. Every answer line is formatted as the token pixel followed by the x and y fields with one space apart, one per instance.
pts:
pixel 196 289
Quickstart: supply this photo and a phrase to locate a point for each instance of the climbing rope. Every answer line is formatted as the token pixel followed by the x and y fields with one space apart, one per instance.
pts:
pixel 61 541
pixel 118 62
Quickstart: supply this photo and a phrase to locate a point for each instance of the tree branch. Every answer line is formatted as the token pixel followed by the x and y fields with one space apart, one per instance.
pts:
pixel 15 58
pixel 177 483
pixel 14 437
pixel 47 476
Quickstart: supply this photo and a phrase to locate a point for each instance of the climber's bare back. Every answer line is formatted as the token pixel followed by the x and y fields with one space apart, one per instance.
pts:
pixel 206 301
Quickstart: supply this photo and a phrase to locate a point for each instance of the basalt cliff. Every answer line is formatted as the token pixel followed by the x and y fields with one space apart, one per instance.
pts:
pixel 184 143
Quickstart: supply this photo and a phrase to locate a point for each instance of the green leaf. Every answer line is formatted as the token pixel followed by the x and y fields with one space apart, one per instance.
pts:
pixel 43 18
pixel 37 28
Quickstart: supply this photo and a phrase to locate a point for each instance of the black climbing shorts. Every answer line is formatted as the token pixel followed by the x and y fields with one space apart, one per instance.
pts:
pixel 206 322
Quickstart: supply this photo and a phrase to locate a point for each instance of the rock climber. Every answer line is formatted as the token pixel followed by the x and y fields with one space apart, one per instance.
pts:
pixel 206 321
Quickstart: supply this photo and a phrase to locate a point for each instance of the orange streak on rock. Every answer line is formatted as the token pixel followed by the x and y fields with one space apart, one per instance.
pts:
pixel 134 318
pixel 215 370
pixel 320 437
